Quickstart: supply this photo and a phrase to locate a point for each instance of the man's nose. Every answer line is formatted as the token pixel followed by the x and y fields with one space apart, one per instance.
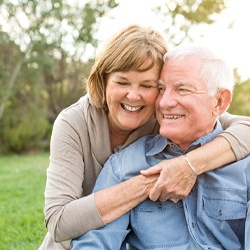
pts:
pixel 168 99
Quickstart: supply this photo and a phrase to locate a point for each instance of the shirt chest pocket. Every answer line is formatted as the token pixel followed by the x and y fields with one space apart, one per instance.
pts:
pixel 224 209
pixel 160 224
pixel 224 219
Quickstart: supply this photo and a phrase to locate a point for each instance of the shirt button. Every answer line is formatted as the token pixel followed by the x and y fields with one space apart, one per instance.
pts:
pixel 220 212
pixel 160 205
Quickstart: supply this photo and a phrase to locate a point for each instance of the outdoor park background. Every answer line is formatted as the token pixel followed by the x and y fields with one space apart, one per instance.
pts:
pixel 47 49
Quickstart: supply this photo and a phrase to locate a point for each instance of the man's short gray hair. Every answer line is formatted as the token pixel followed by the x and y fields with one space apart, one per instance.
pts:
pixel 216 72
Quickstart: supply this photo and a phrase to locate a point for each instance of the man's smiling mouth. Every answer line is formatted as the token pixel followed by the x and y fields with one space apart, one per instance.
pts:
pixel 174 117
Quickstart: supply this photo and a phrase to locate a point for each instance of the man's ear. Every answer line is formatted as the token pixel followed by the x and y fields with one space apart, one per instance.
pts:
pixel 224 98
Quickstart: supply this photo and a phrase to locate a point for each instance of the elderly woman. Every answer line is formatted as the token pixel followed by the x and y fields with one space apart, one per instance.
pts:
pixel 119 109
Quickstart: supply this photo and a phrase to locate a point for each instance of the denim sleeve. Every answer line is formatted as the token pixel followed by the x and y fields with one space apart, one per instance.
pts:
pixel 247 227
pixel 111 236
pixel 111 174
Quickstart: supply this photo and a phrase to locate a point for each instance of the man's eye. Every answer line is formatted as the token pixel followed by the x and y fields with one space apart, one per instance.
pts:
pixel 161 89
pixel 184 91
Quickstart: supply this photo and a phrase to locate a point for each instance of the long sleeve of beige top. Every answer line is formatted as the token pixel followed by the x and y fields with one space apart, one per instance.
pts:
pixel 80 145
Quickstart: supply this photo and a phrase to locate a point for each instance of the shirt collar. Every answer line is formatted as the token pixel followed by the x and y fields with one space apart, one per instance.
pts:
pixel 160 143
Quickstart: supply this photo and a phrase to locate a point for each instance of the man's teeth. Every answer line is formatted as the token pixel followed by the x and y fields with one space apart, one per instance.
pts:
pixel 172 116
pixel 132 109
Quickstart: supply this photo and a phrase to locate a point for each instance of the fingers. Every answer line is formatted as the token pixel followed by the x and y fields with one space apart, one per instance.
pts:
pixel 175 200
pixel 164 197
pixel 163 193
pixel 152 170
pixel 165 188
pixel 159 191
pixel 175 181
pixel 155 194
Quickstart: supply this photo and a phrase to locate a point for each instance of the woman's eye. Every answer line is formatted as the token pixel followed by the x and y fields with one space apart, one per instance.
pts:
pixel 147 86
pixel 121 83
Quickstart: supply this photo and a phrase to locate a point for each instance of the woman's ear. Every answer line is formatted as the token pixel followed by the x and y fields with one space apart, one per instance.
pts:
pixel 224 98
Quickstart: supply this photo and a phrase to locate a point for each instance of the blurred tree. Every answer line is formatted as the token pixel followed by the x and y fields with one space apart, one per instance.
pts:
pixel 48 49
pixel 183 17
pixel 10 65
pixel 56 37
pixel 241 99
pixel 23 126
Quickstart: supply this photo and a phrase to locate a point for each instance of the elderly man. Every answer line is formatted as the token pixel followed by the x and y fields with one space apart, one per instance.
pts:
pixel 195 88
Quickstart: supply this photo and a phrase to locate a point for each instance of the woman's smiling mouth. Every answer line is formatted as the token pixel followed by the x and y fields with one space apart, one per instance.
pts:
pixel 130 108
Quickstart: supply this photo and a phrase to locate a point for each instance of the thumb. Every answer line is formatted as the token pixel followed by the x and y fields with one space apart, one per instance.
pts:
pixel 151 171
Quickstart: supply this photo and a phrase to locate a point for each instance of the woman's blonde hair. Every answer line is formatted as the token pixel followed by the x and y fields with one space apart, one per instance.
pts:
pixel 125 51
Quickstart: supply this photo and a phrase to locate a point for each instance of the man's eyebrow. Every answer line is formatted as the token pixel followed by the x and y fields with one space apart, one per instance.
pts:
pixel 182 83
pixel 192 87
pixel 185 84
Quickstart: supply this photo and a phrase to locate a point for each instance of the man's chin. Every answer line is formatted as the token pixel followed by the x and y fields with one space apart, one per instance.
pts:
pixel 169 133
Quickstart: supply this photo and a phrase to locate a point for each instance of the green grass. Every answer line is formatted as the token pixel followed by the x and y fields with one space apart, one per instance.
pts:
pixel 22 182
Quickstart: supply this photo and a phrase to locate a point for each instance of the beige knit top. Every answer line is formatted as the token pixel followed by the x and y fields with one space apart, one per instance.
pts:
pixel 80 146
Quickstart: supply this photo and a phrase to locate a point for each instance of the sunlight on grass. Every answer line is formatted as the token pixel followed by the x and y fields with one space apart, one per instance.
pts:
pixel 22 182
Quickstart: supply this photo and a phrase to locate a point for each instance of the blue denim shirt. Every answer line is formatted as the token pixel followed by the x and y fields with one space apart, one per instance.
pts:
pixel 215 215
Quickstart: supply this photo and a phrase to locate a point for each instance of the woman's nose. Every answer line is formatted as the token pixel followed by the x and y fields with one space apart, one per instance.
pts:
pixel 133 93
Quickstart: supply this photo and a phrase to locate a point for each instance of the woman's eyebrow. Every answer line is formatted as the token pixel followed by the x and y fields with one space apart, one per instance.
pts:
pixel 118 77
pixel 121 77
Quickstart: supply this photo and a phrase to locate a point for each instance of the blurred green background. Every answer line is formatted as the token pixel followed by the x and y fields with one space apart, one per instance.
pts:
pixel 22 181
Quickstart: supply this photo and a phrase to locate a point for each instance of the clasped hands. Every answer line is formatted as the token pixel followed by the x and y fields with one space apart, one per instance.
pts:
pixel 175 180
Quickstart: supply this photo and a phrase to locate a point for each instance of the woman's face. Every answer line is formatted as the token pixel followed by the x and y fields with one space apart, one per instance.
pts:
pixel 131 98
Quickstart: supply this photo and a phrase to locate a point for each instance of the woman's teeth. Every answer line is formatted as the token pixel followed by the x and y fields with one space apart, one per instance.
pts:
pixel 132 109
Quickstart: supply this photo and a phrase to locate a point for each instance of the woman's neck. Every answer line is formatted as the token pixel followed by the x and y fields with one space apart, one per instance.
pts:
pixel 117 136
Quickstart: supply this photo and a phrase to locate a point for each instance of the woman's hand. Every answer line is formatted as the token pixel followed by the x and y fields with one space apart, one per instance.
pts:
pixel 117 200
pixel 175 181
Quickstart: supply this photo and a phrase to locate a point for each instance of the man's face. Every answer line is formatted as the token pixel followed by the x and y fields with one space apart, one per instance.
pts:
pixel 184 109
